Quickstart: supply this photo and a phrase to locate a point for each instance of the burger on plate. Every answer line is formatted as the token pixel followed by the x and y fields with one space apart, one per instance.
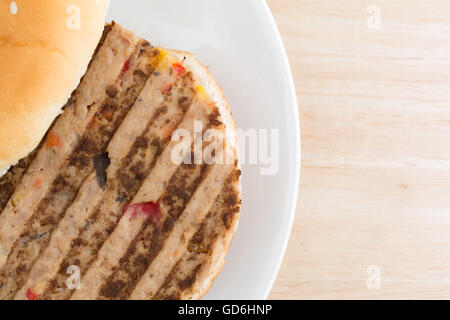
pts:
pixel 118 159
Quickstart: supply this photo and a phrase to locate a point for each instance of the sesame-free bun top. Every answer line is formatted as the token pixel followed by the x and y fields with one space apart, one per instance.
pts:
pixel 45 49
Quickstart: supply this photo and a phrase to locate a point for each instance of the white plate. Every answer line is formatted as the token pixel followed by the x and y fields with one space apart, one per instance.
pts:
pixel 240 42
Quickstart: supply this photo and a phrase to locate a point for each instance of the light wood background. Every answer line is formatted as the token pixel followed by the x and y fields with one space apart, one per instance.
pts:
pixel 375 115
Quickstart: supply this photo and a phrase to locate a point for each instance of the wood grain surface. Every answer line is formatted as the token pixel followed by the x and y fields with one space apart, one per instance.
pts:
pixel 373 83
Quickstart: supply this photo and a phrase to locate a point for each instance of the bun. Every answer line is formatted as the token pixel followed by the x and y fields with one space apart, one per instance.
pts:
pixel 45 48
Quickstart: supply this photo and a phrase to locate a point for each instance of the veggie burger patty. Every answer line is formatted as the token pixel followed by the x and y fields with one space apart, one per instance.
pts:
pixel 100 210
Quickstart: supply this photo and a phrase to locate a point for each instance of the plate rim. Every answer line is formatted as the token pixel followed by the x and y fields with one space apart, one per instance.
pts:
pixel 295 106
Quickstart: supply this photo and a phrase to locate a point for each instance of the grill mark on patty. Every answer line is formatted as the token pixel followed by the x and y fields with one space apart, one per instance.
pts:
pixel 106 31
pixel 104 123
pixel 134 168
pixel 12 178
pixel 141 253
pixel 108 27
pixel 10 181
pixel 64 189
pixel 179 283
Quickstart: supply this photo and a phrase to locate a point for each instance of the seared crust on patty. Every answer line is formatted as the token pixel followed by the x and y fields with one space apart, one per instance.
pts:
pixel 103 194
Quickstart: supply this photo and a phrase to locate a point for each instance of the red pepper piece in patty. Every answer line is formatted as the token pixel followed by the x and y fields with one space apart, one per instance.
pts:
pixel 167 88
pixel 126 66
pixel 179 69
pixel 31 295
pixel 53 141
pixel 37 183
pixel 149 209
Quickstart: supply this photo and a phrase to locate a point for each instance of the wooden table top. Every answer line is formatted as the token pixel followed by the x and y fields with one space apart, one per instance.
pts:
pixel 373 83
